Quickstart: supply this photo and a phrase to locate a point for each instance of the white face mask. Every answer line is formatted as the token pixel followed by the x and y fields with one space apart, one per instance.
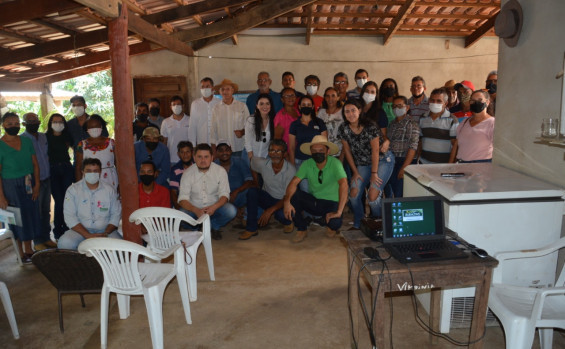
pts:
pixel 311 90
pixel 177 109
pixel 361 82
pixel 436 107
pixel 78 110
pixel 94 132
pixel 206 92
pixel 92 177
pixel 368 98
pixel 399 111
pixel 58 126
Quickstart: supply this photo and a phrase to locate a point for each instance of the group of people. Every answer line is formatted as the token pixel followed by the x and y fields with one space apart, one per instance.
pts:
pixel 300 157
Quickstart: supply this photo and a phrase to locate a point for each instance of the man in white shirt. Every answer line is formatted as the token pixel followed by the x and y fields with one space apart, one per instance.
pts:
pixel 205 189
pixel 175 128
pixel 201 113
pixel 228 118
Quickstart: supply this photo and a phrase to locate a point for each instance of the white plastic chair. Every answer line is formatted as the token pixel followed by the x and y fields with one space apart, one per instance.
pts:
pixel 126 276
pixel 7 234
pixel 7 302
pixel 522 309
pixel 162 225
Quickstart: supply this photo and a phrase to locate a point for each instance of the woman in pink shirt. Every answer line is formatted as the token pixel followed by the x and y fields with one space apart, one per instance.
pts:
pixel 475 135
pixel 286 115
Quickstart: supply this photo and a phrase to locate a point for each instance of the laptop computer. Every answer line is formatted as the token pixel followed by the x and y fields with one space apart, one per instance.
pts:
pixel 413 230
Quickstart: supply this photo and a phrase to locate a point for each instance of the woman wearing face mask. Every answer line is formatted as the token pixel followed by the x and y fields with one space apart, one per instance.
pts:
pixel 59 141
pixel 303 130
pixel 371 106
pixel 99 147
pixel 387 92
pixel 330 113
pixel 260 128
pixel 475 135
pixel 363 145
pixel 19 183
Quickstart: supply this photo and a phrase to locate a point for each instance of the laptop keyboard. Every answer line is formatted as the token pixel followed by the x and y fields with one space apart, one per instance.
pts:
pixel 423 246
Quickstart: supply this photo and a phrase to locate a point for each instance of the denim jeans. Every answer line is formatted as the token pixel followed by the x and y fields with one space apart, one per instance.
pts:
pixel 258 198
pixel 17 196
pixel 305 202
pixel 61 178
pixel 71 239
pixel 221 217
pixel 44 202
pixel 386 165
pixel 240 199
pixel 303 185
pixel 395 186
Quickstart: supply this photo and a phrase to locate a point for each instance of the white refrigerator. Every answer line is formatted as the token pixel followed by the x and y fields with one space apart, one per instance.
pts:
pixel 496 209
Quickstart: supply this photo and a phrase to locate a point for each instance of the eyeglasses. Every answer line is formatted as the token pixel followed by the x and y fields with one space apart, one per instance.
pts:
pixel 320 176
pixel 275 151
pixel 264 134
pixel 340 82
pixel 311 84
pixel 262 80
pixel 289 96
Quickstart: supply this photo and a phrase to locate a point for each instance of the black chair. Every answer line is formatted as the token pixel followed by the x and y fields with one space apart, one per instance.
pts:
pixel 70 273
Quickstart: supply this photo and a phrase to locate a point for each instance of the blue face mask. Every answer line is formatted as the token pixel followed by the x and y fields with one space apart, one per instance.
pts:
pixel 92 177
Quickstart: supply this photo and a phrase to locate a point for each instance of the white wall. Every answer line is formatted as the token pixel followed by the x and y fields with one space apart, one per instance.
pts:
pixel 529 92
pixel 403 58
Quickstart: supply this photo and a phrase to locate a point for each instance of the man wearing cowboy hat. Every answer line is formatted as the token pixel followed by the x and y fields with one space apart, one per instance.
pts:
pixel 327 186
pixel 150 147
pixel 228 118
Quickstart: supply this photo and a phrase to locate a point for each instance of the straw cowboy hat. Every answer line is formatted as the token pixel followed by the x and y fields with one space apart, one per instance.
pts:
pixel 508 24
pixel 319 139
pixel 226 82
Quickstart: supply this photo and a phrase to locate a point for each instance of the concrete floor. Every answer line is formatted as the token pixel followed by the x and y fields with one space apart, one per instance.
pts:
pixel 268 293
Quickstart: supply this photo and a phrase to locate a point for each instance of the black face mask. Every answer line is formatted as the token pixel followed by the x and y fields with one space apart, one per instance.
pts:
pixel 154 111
pixel 32 128
pixel 319 157
pixel 418 96
pixel 12 131
pixel 491 88
pixel 147 179
pixel 388 92
pixel 306 110
pixel 477 107
pixel 151 145
pixel 142 117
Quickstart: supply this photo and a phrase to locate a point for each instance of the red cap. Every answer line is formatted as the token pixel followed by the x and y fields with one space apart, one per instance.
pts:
pixel 465 83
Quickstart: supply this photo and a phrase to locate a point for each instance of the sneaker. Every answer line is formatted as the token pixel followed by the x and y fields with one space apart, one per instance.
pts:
pixel 216 234
pixel 246 235
pixel 50 244
pixel 300 236
pixel 26 258
pixel 330 233
pixel 287 229
pixel 40 247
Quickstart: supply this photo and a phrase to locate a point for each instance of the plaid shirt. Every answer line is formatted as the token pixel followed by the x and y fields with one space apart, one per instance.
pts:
pixel 403 135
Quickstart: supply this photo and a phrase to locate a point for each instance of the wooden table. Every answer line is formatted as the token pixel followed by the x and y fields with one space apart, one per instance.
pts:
pixel 473 271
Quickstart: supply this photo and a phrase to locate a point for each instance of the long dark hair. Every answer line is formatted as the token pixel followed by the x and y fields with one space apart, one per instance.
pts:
pixel 363 119
pixel 50 124
pixel 375 105
pixel 382 98
pixel 94 117
pixel 259 120
pixel 325 104
pixel 313 115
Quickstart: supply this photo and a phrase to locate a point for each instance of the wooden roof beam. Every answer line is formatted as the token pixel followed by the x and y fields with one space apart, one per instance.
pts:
pixel 309 24
pixel 191 10
pixel 11 12
pixel 57 27
pixel 137 25
pixel 234 38
pixel 17 36
pixel 106 8
pixel 480 32
pixel 216 32
pixel 397 21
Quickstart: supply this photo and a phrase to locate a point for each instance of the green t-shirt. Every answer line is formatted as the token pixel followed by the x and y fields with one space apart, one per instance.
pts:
pixel 331 174
pixel 16 164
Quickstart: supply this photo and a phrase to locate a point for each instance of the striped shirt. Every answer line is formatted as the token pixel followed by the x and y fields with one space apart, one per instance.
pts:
pixel 416 111
pixel 436 136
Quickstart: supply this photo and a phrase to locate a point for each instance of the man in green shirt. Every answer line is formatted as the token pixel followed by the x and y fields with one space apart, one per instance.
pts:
pixel 327 186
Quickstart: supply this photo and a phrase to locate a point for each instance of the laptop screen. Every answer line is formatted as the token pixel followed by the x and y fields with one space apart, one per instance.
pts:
pixel 412 218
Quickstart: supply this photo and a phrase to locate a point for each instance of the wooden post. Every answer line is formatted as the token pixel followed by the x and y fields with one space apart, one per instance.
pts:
pixel 123 107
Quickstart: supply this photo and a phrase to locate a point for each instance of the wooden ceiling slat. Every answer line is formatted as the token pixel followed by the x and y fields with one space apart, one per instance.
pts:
pixel 23 10
pixel 191 10
pixel 397 21
pixel 57 27
pixel 18 36
pixel 480 32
